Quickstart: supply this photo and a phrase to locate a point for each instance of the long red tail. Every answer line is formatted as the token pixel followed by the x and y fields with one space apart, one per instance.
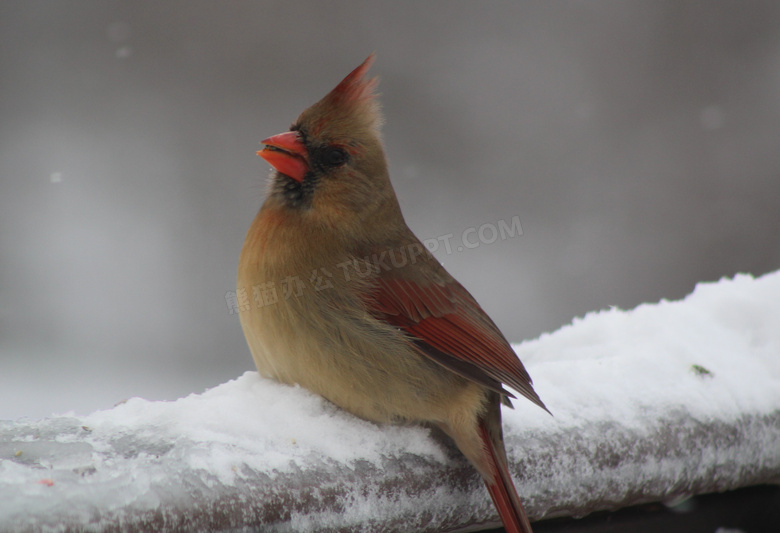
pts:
pixel 502 490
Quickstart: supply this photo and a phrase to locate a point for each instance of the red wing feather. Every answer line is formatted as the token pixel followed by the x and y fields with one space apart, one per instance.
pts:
pixel 447 319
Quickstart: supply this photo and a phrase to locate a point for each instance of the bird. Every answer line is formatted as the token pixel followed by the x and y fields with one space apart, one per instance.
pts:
pixel 340 297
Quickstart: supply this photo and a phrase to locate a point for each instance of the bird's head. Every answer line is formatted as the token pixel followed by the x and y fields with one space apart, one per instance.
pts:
pixel 331 164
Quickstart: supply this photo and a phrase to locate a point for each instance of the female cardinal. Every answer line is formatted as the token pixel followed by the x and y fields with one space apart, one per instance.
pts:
pixel 349 304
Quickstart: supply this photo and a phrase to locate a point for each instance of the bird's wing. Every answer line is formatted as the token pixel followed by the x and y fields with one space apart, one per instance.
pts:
pixel 449 326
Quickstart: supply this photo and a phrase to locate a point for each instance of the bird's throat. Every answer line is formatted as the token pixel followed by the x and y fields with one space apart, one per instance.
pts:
pixel 292 193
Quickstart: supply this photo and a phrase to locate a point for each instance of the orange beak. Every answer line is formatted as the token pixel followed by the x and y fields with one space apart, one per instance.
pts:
pixel 287 154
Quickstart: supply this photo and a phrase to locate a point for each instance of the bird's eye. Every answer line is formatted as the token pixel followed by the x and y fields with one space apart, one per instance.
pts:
pixel 334 156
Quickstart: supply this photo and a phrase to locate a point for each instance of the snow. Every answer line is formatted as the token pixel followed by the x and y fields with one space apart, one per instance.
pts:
pixel 654 403
pixel 716 353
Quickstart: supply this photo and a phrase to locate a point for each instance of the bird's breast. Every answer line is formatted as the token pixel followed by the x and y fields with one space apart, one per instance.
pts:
pixel 304 318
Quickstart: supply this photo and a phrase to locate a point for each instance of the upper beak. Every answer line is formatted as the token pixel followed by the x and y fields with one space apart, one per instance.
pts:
pixel 287 154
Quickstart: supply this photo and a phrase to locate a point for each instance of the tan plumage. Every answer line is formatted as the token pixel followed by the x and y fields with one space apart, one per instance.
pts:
pixel 364 315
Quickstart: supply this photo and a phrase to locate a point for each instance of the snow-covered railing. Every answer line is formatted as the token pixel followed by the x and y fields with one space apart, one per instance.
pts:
pixel 651 404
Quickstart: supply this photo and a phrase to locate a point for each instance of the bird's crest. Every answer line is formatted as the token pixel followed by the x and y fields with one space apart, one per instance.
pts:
pixel 356 87
pixel 354 101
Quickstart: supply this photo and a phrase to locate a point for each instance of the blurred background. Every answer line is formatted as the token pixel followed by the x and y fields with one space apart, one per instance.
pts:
pixel 638 143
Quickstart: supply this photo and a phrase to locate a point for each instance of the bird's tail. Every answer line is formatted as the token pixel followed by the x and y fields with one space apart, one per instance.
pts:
pixel 501 488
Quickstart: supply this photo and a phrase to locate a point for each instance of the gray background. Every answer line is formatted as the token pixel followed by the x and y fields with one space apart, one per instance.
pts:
pixel 638 142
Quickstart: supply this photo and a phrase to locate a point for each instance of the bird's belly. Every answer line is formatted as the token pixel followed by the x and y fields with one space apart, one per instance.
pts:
pixel 372 372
